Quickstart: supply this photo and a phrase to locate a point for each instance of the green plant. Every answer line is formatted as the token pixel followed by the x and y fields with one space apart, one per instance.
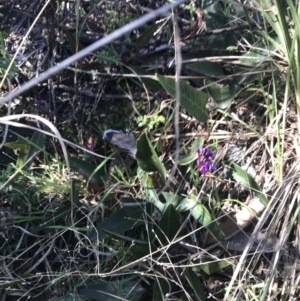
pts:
pixel 150 122
pixel 85 221
pixel 5 60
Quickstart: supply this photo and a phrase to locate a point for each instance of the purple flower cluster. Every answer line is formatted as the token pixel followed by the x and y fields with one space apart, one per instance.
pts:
pixel 204 161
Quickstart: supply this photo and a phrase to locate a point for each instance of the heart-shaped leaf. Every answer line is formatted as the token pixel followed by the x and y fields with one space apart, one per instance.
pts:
pixel 170 198
pixel 222 94
pixel 192 155
pixel 202 215
pixel 248 182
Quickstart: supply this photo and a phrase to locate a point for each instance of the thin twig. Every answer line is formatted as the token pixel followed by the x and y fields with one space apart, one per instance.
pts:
pixel 95 46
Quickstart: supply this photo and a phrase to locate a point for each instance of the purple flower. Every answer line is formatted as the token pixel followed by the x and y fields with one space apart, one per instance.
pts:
pixel 204 161
pixel 39 100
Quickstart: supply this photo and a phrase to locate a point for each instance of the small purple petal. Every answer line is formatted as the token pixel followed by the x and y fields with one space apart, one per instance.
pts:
pixel 202 169
pixel 212 168
pixel 199 163
pixel 210 153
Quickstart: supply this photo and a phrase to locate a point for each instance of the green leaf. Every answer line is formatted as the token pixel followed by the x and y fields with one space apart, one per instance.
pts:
pixel 150 193
pixel 248 182
pixel 217 17
pixel 169 225
pixel 74 44
pixel 75 190
pixel 147 157
pixel 141 250
pixel 135 208
pixel 202 215
pixel 195 284
pixel 151 84
pixel 96 176
pixel 23 147
pixel 161 288
pixel 211 265
pixel 147 35
pixel 139 210
pixel 124 289
pixel 192 155
pixel 257 56
pixel 60 214
pixel 192 100
pixel 124 238
pixel 38 141
pixel 35 144
pixel 27 148
pixel 222 94
pixel 207 68
pixel 246 74
pixel 19 144
pixel 118 222
pixel 171 198
pixel 4 63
